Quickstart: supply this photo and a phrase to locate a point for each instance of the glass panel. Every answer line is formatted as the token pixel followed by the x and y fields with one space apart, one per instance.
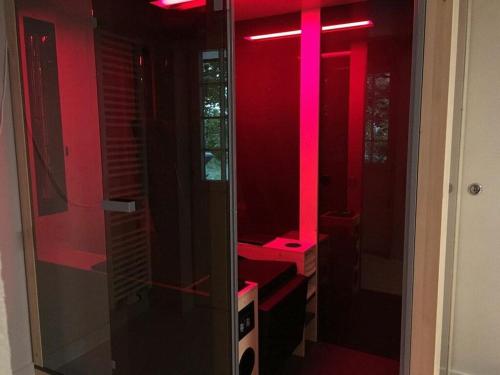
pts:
pixel 213 165
pixel 212 70
pixel 212 101
pixel 132 243
pixel 43 83
pixel 213 129
pixel 322 108
pixel 225 100
pixel 377 118
pixel 366 79
pixel 214 113
pixel 267 122
pixel 334 134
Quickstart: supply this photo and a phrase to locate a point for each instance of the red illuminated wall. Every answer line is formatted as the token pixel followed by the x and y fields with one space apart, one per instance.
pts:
pixel 82 226
pixel 266 85
pixel 267 122
pixel 383 184
pixel 333 134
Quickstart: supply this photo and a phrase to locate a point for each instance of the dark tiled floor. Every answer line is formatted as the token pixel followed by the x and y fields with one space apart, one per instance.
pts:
pixel 327 359
pixel 366 321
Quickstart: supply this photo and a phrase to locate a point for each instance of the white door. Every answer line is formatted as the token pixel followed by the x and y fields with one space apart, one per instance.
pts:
pixel 475 335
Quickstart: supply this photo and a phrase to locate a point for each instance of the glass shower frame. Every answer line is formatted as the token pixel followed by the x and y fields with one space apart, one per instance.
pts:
pixel 416 90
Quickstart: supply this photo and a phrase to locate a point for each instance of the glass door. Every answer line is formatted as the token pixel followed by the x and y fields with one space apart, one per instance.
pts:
pixel 127 125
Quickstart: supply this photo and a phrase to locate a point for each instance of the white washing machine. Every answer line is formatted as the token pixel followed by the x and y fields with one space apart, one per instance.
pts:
pixel 248 327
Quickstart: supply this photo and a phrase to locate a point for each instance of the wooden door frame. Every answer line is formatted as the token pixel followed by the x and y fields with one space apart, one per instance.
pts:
pixel 24 179
pixel 442 83
pixel 426 243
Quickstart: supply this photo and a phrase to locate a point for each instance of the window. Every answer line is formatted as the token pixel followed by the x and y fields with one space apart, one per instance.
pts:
pixel 214 115
pixel 378 87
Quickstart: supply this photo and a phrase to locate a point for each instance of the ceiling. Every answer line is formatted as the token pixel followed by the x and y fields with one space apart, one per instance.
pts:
pixel 251 9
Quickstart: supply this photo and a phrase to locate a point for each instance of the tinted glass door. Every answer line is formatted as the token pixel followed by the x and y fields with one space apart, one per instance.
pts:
pixel 127 129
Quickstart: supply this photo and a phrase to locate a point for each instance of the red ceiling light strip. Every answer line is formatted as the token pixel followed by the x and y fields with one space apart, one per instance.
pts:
pixel 333 55
pixel 284 34
pixel 179 4
pixel 338 27
pixel 348 26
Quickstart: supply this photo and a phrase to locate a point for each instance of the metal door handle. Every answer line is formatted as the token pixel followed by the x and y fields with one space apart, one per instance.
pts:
pixel 119 206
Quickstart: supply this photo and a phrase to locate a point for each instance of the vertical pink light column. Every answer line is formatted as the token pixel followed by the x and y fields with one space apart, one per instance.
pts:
pixel 309 123
pixel 357 84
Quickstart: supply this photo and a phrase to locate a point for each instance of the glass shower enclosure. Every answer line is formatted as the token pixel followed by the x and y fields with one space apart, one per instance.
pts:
pixel 128 138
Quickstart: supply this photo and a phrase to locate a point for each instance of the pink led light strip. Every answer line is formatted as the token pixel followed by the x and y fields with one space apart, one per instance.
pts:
pixel 348 26
pixel 274 35
pixel 337 27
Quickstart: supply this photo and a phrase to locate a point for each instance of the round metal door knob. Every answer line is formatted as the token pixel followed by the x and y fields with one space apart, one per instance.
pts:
pixel 475 188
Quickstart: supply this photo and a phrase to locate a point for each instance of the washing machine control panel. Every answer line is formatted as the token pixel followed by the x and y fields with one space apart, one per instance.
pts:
pixel 246 320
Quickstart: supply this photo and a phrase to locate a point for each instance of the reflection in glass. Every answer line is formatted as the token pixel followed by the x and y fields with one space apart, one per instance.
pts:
pixel 212 133
pixel 43 83
pixel 377 120
pixel 215 114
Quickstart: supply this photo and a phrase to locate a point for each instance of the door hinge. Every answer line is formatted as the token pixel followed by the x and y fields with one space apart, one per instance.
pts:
pixel 218 5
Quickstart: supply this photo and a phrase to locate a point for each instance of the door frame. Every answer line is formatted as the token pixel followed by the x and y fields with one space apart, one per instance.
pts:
pixel 24 179
pixel 442 84
pixel 233 190
pixel 412 184
pixel 457 152
pixel 433 92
